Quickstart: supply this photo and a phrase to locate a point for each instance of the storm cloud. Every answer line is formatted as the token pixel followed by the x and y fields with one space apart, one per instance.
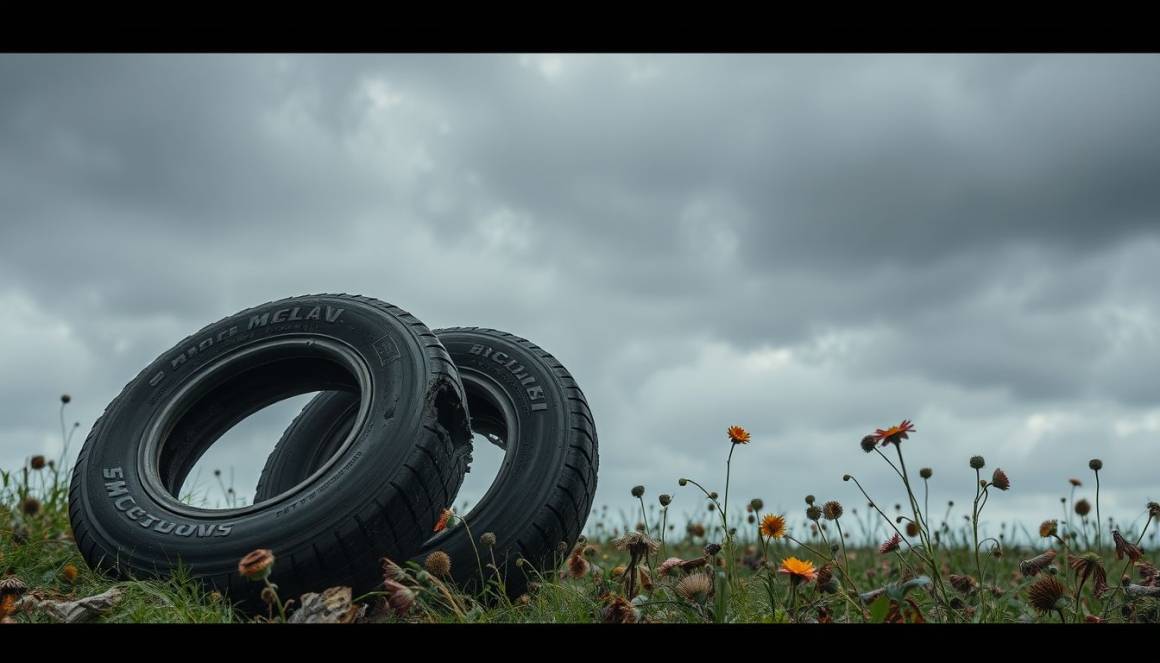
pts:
pixel 811 246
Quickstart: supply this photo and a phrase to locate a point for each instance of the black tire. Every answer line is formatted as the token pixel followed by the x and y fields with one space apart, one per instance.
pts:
pixel 379 495
pixel 543 493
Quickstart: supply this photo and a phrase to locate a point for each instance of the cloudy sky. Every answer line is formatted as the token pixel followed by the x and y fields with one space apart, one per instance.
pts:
pixel 810 246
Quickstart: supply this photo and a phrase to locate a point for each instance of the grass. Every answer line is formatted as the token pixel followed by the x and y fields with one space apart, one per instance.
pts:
pixel 938 572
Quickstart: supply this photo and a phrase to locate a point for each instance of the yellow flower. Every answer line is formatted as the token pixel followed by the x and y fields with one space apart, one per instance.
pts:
pixel 738 435
pixel 798 570
pixel 773 526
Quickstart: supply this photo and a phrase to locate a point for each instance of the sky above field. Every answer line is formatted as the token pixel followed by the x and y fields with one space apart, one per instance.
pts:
pixel 810 246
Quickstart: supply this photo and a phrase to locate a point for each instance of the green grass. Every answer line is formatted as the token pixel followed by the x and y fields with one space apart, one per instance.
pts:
pixel 918 580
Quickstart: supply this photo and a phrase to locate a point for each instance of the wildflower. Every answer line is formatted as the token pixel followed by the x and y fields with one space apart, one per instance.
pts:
pixel 399 597
pixel 798 570
pixel 926 473
pixel 30 506
pixel 636 543
pixel 891 544
pixel 1089 564
pixel 911 528
pixel 713 495
pixel 1031 567
pixel 999 480
pixel 738 435
pixel 638 491
pixel 392 571
pixel 832 510
pixel 665 500
pixel 11 588
pixel 813 513
pixel 65 398
pixel 1154 510
pixel 438 564
pixel 712 549
pixel 1149 574
pixel 825 574
pixel 868 443
pixel 669 565
pixel 682 481
pixel 1048 528
pixel 578 566
pixel 756 504
pixel 977 462
pixel 70 573
pixel 444 516
pixel 810 499
pixel 696 588
pixel 894 434
pixel 773 526
pixel 1123 548
pixel 1096 464
pixel 37 463
pixel 257 565
pixel 618 610
pixel 1083 507
pixel 487 539
pixel 1047 594
pixel 964 584
pixel 1076 483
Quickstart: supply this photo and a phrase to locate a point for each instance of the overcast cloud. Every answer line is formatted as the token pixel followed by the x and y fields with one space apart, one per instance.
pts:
pixel 810 246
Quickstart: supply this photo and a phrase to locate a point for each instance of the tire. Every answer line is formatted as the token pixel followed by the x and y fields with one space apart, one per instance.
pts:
pixel 542 495
pixel 379 495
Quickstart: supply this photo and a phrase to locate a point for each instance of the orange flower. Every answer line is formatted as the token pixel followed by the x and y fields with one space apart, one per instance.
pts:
pixel 798 570
pixel 773 526
pixel 443 518
pixel 894 434
pixel 738 435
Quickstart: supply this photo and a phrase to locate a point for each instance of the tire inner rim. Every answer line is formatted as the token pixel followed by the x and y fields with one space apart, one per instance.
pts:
pixel 493 415
pixel 231 388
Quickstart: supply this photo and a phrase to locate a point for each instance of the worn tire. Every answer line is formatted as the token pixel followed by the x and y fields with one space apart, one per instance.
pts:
pixel 379 496
pixel 543 493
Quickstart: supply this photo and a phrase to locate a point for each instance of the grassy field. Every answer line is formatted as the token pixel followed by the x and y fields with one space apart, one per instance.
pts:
pixel 740 564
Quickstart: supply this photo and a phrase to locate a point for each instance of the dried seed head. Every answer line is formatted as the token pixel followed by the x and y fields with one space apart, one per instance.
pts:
pixel 1047 594
pixel 668 566
pixel 665 499
pixel 438 564
pixel 65 398
pixel 963 584
pixel 37 463
pixel 682 481
pixel 1048 528
pixel 695 530
pixel 911 529
pixel 751 519
pixel 810 499
pixel 868 443
pixel 257 565
pixel 30 506
pixel 813 512
pixel 487 539
pixel 1154 510
pixel 697 587
pixel 977 462
pixel 1031 567
pixel 756 504
pixel 926 473
pixel 638 491
pixel 712 549
pixel 392 571
pixel 890 544
pixel 999 480
pixel 832 510
pixel 269 596
pixel 1125 549
pixel 636 543
pixel 1096 464
pixel 1083 507
pixel 578 567
pixel 1075 482
pixel 590 551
